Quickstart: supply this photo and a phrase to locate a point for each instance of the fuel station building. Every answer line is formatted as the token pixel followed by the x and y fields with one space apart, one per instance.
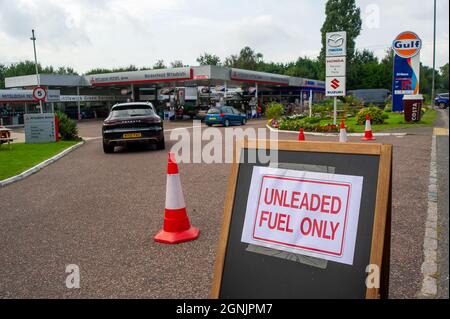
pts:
pixel 189 88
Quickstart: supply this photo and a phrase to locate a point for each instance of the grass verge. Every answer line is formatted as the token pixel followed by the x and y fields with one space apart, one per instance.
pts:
pixel 22 156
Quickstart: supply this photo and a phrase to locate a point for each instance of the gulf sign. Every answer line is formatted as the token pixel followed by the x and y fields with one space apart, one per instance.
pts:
pixel 406 77
pixel 312 214
pixel 407 44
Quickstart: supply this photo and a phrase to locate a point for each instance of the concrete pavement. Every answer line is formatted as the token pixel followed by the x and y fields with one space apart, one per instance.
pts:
pixel 442 145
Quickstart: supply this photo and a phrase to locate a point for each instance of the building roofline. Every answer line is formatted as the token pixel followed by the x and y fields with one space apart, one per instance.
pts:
pixel 192 74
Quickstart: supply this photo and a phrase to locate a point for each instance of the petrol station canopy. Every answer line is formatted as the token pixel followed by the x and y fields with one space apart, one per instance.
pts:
pixel 186 76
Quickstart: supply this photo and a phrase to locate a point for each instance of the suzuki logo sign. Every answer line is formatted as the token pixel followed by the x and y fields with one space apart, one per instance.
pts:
pixel 407 45
pixel 335 84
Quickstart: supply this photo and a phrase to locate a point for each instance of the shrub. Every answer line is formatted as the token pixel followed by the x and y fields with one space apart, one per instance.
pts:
pixel 388 107
pixel 67 127
pixel 377 116
pixel 274 110
pixel 323 110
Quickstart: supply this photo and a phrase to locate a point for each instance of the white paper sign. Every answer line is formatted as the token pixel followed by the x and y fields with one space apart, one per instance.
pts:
pixel 312 214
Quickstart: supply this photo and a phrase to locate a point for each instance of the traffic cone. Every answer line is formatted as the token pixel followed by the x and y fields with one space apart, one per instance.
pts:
pixel 301 135
pixel 343 133
pixel 368 136
pixel 177 228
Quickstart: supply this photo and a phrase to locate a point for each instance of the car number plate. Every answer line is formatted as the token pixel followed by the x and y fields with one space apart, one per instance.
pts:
pixel 212 118
pixel 132 135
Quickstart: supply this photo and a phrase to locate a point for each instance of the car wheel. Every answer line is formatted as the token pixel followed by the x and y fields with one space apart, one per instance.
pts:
pixel 108 148
pixel 442 106
pixel 161 145
pixel 244 121
pixel 226 123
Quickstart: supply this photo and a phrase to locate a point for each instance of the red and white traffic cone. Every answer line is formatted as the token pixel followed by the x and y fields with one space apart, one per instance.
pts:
pixel 177 228
pixel 343 133
pixel 301 135
pixel 368 135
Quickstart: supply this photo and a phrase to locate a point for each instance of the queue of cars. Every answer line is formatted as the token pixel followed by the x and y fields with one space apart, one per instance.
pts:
pixel 138 123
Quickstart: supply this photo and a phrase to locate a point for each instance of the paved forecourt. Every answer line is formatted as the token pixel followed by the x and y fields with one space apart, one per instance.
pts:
pixel 101 213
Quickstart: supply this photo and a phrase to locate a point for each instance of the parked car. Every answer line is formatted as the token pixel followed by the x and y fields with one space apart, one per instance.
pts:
pixel 441 100
pixel 132 123
pixel 226 116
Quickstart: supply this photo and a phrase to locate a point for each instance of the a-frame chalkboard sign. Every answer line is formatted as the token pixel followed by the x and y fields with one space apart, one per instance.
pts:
pixel 243 270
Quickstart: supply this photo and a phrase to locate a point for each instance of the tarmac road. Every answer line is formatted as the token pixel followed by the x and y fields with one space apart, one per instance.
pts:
pixel 101 212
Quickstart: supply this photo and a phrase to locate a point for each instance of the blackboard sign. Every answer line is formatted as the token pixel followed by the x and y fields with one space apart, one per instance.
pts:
pixel 341 191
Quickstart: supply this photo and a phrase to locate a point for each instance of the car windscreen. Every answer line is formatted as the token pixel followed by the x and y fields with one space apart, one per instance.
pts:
pixel 214 110
pixel 132 111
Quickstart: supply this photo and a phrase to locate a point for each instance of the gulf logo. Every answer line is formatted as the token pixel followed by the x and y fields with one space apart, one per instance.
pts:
pixel 407 44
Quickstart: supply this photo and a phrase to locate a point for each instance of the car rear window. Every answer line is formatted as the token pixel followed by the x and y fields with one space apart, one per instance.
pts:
pixel 214 110
pixel 131 111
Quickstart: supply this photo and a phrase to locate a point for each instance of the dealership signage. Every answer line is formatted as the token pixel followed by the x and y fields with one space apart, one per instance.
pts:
pixel 166 75
pixel 336 63
pixel 26 96
pixel 40 128
pixel 407 46
pixel 251 76
pixel 312 214
pixel 336 66
pixel 336 44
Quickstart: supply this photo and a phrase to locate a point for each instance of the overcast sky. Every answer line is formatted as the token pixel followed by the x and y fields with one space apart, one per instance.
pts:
pixel 86 34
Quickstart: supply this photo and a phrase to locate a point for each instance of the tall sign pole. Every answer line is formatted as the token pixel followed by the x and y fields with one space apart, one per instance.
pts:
pixel 33 38
pixel 336 67
pixel 433 88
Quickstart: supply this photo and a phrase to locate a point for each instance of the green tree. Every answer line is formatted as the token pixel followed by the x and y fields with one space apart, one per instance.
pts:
pixel 159 65
pixel 129 68
pixel 443 85
pixel 208 59
pixel 341 15
pixel 2 76
pixel 304 67
pixel 247 59
pixel 426 79
pixel 177 64
pixel 385 70
pixel 272 67
pixel 362 71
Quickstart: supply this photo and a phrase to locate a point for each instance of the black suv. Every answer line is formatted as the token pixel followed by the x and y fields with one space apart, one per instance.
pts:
pixel 132 123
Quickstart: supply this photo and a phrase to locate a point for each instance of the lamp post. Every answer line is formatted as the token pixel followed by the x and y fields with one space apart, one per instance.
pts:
pixel 433 87
pixel 33 38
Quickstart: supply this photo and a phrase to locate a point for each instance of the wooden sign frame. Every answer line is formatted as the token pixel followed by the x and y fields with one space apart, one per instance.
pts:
pixel 380 246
